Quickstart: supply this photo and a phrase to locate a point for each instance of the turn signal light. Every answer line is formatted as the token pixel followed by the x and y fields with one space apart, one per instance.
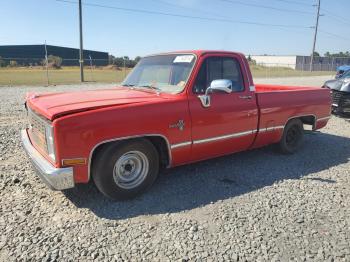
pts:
pixel 74 161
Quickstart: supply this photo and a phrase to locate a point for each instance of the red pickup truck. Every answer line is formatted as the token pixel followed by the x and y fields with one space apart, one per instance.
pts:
pixel 172 109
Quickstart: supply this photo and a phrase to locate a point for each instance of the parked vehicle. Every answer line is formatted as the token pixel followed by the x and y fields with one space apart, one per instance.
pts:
pixel 341 70
pixel 340 89
pixel 172 109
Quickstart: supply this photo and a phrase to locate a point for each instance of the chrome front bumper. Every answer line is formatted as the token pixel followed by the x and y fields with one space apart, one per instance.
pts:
pixel 54 178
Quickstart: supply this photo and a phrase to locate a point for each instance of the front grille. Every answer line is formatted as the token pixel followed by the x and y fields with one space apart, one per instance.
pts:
pixel 37 130
pixel 336 97
pixel 341 101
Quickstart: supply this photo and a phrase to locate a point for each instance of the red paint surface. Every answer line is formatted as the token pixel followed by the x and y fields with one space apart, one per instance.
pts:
pixel 82 120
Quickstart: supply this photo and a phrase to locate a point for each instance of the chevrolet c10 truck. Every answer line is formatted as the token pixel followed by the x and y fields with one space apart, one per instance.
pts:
pixel 172 109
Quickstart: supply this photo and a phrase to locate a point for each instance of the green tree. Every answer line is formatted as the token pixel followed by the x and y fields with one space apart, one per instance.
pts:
pixel 53 61
pixel 137 59
pixel 111 59
pixel 2 62
pixel 340 54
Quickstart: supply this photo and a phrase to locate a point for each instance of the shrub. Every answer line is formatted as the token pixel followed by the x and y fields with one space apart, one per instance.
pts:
pixel 53 61
pixel 2 62
pixel 13 63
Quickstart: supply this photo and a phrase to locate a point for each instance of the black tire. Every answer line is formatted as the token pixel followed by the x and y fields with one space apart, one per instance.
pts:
pixel 111 181
pixel 292 138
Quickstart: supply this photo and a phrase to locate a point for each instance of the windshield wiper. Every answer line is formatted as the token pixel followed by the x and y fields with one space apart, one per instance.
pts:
pixel 128 85
pixel 152 87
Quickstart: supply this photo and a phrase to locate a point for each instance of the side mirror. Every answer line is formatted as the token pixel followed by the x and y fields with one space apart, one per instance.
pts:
pixel 220 85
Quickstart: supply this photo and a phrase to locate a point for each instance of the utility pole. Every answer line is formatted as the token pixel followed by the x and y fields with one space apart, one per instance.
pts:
pixel 81 55
pixel 315 36
pixel 47 65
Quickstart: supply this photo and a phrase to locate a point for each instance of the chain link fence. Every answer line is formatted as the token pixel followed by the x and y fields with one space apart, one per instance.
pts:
pixel 39 71
pixel 54 71
pixel 273 70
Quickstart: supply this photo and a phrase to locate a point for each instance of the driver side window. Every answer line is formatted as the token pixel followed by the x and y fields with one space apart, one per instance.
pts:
pixel 214 68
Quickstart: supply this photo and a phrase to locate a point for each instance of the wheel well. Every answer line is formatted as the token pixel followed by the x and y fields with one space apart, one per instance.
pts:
pixel 160 143
pixel 163 149
pixel 306 120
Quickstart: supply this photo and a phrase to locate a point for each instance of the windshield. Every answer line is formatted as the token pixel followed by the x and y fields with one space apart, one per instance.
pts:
pixel 346 74
pixel 165 73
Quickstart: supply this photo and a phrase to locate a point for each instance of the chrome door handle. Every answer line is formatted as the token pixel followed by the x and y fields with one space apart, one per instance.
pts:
pixel 245 97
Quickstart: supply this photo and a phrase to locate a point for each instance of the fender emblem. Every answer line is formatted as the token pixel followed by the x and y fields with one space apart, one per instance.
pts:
pixel 180 125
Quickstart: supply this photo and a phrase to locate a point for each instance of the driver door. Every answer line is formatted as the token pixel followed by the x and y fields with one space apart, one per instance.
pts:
pixel 228 125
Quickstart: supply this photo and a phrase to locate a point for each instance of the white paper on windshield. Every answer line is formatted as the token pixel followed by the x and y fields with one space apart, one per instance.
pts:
pixel 183 59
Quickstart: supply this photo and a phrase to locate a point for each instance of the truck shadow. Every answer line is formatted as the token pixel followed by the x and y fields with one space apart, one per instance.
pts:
pixel 195 185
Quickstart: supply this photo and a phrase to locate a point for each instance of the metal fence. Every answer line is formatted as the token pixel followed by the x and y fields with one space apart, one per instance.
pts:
pixel 271 70
pixel 29 71
pixel 40 72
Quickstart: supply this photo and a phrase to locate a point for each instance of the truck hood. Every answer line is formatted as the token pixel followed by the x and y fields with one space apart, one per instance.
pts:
pixel 53 105
pixel 339 84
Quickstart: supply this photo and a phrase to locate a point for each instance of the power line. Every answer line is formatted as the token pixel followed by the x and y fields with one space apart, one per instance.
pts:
pixel 334 35
pixel 134 10
pixel 336 16
pixel 266 7
pixel 294 2
pixel 188 8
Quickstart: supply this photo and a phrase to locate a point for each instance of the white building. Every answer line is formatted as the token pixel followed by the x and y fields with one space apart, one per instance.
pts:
pixel 276 60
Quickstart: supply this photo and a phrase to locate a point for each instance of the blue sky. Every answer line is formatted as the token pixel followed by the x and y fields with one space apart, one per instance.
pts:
pixel 131 33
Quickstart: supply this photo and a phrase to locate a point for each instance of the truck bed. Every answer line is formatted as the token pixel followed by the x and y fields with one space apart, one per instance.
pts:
pixel 277 104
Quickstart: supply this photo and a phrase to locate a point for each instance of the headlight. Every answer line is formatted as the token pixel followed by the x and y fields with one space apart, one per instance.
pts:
pixel 50 142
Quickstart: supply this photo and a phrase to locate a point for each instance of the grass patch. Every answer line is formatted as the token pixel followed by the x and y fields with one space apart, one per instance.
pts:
pixel 71 75
pixel 66 75
pixel 265 71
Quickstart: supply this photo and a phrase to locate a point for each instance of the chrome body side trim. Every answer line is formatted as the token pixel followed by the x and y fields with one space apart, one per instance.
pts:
pixel 54 178
pixel 245 133
pixel 187 143
pixel 273 128
pixel 125 138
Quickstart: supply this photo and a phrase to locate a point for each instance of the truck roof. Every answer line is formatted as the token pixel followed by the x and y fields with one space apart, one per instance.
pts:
pixel 200 52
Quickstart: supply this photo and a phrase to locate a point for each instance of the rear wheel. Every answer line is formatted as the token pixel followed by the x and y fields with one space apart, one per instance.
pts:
pixel 292 138
pixel 125 169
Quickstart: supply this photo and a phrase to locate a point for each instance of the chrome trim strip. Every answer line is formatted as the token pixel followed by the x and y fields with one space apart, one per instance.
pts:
pixel 124 138
pixel 54 178
pixel 181 144
pixel 279 127
pixel 246 73
pixel 324 118
pixel 273 128
pixel 250 132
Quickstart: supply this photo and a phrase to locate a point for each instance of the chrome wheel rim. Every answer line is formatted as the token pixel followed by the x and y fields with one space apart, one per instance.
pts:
pixel 131 169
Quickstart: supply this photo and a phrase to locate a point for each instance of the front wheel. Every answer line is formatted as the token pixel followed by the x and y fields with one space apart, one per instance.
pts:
pixel 125 169
pixel 292 138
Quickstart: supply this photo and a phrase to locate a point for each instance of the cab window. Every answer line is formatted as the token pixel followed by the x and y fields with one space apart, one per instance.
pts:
pixel 214 68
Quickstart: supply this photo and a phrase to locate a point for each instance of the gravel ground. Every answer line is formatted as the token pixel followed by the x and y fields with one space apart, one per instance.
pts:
pixel 251 206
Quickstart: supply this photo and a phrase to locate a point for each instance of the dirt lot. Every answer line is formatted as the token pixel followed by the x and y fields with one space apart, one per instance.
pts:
pixel 252 206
